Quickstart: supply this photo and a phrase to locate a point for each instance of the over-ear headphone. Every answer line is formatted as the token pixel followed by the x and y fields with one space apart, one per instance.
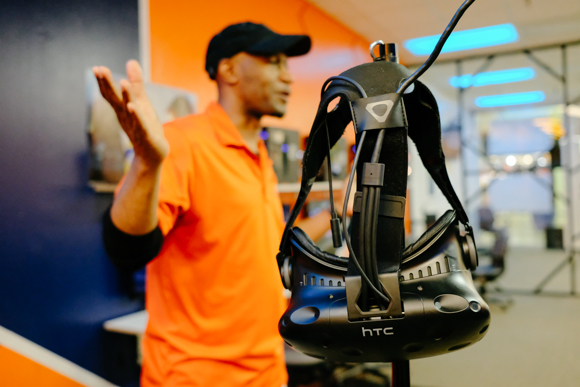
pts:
pixel 386 302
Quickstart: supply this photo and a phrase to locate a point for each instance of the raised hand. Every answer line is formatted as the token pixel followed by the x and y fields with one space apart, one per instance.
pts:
pixel 135 113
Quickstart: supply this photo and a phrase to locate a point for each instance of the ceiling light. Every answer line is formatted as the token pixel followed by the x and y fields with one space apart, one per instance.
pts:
pixel 510 160
pixel 542 162
pixel 465 40
pixel 493 77
pixel 510 99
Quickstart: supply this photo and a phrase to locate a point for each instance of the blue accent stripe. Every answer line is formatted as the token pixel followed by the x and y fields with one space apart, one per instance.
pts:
pixel 465 40
pixel 510 99
pixel 493 77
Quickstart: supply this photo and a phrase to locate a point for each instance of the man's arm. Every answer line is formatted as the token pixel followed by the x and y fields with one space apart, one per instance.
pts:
pixel 131 234
pixel 134 209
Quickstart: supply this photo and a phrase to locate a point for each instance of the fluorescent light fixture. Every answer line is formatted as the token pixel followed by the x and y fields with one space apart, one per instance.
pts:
pixel 542 162
pixel 510 99
pixel 493 77
pixel 465 40
pixel 511 160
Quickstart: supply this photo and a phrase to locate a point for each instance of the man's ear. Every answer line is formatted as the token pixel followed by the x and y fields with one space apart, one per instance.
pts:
pixel 226 71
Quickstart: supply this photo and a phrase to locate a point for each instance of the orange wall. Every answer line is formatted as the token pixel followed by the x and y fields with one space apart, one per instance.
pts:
pixel 19 371
pixel 181 29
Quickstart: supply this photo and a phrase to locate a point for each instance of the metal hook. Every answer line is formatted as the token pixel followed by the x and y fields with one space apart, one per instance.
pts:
pixel 387 51
pixel 381 50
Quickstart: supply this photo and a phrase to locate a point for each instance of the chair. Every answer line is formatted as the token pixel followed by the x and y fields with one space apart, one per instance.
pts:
pixel 495 256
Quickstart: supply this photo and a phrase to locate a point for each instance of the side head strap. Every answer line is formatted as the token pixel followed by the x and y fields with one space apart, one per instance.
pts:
pixel 425 131
pixel 317 147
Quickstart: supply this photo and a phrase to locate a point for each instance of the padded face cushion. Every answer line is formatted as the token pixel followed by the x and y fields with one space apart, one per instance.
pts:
pixel 308 244
pixel 429 236
pixel 432 233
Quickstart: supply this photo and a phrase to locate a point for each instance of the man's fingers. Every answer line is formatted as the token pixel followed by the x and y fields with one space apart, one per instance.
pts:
pixel 134 71
pixel 134 112
pixel 135 76
pixel 126 91
pixel 108 93
pixel 107 86
pixel 136 93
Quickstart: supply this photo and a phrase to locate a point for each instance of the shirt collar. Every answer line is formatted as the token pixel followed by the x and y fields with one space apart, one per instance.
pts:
pixel 225 130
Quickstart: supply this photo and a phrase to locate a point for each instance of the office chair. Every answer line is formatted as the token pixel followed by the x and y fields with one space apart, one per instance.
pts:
pixel 495 255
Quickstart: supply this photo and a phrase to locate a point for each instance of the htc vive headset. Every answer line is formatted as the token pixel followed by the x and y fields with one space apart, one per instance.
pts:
pixel 385 302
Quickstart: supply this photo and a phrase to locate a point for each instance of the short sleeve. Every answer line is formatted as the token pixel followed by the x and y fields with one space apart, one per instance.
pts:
pixel 176 178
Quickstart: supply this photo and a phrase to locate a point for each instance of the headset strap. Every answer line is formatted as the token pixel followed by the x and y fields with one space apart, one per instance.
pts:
pixel 424 128
pixel 425 131
pixel 316 149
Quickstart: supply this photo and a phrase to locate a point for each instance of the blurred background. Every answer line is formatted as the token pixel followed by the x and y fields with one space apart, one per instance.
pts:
pixel 508 90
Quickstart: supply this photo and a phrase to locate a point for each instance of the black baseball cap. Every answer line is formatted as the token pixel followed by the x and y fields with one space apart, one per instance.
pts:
pixel 255 39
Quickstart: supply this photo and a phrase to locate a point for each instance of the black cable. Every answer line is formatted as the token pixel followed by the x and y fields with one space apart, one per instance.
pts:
pixel 294 214
pixel 378 293
pixel 368 237
pixel 362 248
pixel 373 205
pixel 374 233
pixel 437 50
pixel 378 146
pixel 362 272
pixel 371 221
pixel 373 210
pixel 332 210
pixel 424 67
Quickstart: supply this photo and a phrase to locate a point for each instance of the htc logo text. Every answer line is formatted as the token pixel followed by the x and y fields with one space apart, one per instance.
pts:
pixel 377 331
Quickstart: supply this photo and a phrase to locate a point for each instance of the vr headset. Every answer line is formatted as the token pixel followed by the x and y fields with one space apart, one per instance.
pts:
pixel 385 302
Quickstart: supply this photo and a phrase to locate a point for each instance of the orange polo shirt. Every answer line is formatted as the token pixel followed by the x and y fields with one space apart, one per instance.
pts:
pixel 214 293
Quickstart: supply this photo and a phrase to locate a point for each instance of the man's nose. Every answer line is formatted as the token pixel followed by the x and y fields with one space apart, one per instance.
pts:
pixel 285 75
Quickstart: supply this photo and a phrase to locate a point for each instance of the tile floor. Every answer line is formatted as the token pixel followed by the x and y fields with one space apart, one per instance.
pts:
pixel 534 342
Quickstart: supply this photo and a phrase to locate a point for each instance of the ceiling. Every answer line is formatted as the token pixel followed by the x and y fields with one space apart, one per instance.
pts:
pixel 538 22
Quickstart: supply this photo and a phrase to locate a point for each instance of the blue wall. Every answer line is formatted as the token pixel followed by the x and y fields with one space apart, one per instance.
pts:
pixel 56 284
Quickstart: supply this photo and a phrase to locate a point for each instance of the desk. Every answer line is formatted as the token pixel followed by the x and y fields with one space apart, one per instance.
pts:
pixel 135 324
pixel 130 324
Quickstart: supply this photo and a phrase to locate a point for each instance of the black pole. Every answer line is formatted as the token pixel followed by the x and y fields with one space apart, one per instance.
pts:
pixel 570 171
pixel 460 91
pixel 401 373
pixel 570 174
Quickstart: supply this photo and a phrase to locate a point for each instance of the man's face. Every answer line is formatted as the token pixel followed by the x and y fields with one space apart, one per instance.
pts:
pixel 264 83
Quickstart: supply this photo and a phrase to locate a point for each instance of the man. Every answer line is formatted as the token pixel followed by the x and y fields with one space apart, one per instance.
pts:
pixel 201 196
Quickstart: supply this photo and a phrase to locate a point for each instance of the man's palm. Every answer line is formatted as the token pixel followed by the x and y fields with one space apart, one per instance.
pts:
pixel 134 112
